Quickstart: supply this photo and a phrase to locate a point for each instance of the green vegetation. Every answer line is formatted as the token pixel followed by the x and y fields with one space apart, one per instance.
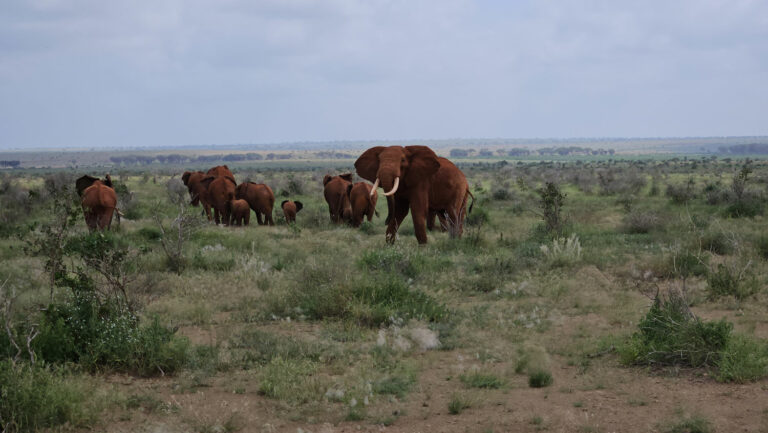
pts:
pixel 318 323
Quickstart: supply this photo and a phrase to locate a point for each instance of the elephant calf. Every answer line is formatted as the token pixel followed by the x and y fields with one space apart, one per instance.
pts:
pixel 336 191
pixel 240 212
pixel 290 209
pixel 363 199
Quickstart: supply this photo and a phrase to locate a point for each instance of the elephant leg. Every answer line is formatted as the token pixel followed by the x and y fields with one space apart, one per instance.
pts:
pixel 431 220
pixel 91 220
pixel 399 212
pixel 106 217
pixel 390 209
pixel 207 209
pixel 247 218
pixel 216 216
pixel 420 225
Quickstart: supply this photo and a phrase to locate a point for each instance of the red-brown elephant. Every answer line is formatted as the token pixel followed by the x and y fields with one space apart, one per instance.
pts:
pixel 408 177
pixel 197 191
pixel 336 193
pixel 99 201
pixel 240 212
pixel 450 178
pixel 290 209
pixel 221 170
pixel 363 199
pixel 261 199
pixel 220 190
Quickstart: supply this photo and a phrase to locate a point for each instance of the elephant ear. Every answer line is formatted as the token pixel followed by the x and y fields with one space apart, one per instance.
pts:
pixel 84 182
pixel 423 164
pixel 282 205
pixel 367 165
pixel 206 181
pixel 327 179
pixel 108 181
pixel 299 206
pixel 346 176
pixel 185 177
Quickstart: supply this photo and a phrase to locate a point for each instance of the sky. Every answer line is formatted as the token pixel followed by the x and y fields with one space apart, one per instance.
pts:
pixel 99 73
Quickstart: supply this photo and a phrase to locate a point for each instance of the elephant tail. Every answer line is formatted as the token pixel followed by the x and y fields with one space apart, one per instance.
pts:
pixel 469 193
pixel 118 214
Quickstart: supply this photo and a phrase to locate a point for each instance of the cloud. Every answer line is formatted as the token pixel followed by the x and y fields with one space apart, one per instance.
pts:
pixel 153 72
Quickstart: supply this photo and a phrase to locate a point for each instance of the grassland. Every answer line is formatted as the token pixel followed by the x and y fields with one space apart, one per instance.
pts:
pixel 326 328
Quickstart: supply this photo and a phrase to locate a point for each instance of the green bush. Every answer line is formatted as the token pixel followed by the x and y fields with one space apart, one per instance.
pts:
pixel 255 347
pixel 383 297
pixel 34 397
pixel 726 281
pixel 478 379
pixel 744 209
pixel 717 243
pixel 539 379
pixel 477 217
pixel 107 336
pixel 670 334
pixel 744 359
pixel 762 247
pixel 292 381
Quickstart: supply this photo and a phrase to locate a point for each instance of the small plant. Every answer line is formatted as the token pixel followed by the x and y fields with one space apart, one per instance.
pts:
pixel 562 251
pixel 181 229
pixel 694 424
pixel 539 379
pixel 368 228
pixel 458 403
pixel 717 242
pixel 682 194
pixel 292 381
pixel 478 379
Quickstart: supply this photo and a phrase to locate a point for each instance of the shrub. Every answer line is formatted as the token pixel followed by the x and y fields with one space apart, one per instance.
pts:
pixel 762 247
pixel 670 334
pixel 690 425
pixel 639 222
pixel 35 398
pixel 385 297
pixel 551 201
pixel 682 263
pixel 106 335
pixel 726 280
pixel 681 194
pixel 477 217
pixel 501 194
pixel 717 243
pixel 478 379
pixel 744 359
pixel 539 379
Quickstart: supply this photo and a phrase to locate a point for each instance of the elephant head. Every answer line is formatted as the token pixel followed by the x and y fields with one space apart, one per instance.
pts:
pixel 397 168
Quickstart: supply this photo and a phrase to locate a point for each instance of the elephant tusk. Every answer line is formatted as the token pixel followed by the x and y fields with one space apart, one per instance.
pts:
pixel 375 185
pixel 394 188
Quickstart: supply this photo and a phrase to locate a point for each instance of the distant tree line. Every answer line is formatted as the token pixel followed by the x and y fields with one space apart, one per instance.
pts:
pixel 333 155
pixel 745 149
pixel 176 158
pixel 11 164
pixel 518 151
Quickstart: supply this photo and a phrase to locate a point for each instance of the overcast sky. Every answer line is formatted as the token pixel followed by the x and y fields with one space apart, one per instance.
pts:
pixel 101 73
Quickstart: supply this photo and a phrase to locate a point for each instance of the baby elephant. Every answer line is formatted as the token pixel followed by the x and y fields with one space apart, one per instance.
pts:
pixel 290 209
pixel 240 211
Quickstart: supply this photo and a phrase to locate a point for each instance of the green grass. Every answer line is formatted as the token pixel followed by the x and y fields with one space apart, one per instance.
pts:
pixel 479 379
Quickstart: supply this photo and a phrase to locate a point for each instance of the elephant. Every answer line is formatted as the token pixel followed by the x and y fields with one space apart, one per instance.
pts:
pixel 336 193
pixel 290 209
pixel 99 201
pixel 197 191
pixel 409 176
pixel 261 199
pixel 220 191
pixel 363 200
pixel 451 217
pixel 240 212
pixel 221 170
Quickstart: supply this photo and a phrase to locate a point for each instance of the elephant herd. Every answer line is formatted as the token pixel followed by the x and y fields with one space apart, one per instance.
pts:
pixel 414 180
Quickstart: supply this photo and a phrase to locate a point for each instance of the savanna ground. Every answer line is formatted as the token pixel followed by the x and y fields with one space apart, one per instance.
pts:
pixel 533 321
